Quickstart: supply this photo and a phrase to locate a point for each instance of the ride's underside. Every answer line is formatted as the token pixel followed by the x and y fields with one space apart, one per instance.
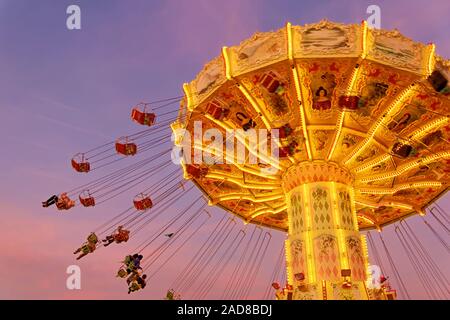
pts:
pixel 370 101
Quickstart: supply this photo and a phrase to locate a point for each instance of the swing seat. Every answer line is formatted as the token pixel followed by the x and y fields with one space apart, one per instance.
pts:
pixel 142 202
pixel 401 150
pixel 285 131
pixel 126 148
pixel 142 117
pixel 86 199
pixel 346 272
pixel 348 102
pixel 217 111
pixel 391 295
pixel 270 82
pixel 287 151
pixel 299 276
pixel 80 164
pixel 283 152
pixel 196 171
pixel 346 285
pixel 438 81
pixel 121 273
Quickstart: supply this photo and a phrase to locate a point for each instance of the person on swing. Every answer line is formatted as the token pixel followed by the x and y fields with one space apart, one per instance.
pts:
pixel 52 200
pixel 121 235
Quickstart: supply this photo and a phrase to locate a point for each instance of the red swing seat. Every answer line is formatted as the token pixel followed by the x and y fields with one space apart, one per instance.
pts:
pixel 126 148
pixel 196 171
pixel 80 164
pixel 217 111
pixel 270 82
pixel 348 102
pixel 284 131
pixel 142 117
pixel 142 202
pixel 86 199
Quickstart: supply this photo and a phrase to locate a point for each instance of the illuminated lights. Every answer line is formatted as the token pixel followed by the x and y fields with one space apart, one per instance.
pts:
pixel 186 176
pixel 335 208
pixel 289 41
pixel 340 233
pixel 308 238
pixel 241 183
pixel 404 186
pixel 340 122
pixel 230 160
pixel 407 166
pixel 428 127
pixel 431 60
pixel 349 91
pixel 289 273
pixel 226 126
pixel 260 111
pixel 301 185
pixel 372 163
pixel 177 130
pixel 364 39
pixel 366 219
pixel 365 250
pixel 382 204
pixel 392 108
pixel 255 105
pixel 240 196
pixel 187 92
pixel 243 89
pixel 300 99
pixel 354 76
pixel 353 204
pixel 260 212
pixel 227 63
pixel 338 133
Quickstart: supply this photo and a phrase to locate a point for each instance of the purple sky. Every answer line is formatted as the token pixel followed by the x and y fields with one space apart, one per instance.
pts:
pixel 67 91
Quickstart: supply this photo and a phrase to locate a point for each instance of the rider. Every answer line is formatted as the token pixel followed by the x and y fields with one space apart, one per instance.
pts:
pixel 137 260
pixel 132 263
pixel 64 202
pixel 137 284
pixel 88 247
pixel 52 200
pixel 121 235
pixel 279 293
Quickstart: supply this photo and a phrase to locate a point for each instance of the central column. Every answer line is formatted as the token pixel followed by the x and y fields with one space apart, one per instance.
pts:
pixel 326 257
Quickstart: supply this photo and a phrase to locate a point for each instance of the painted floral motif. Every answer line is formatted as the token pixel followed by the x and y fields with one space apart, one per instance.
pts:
pixel 327 257
pixel 346 209
pixel 327 244
pixel 342 294
pixel 296 212
pixel 355 245
pixel 320 139
pixel 319 194
pixel 371 95
pixel 298 256
pixel 356 258
pixel 321 208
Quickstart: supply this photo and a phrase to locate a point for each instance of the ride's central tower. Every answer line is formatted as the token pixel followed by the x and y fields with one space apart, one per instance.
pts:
pixel 326 255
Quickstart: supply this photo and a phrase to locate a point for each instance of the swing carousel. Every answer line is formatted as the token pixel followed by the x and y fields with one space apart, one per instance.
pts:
pixel 355 125
pixel 363 141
